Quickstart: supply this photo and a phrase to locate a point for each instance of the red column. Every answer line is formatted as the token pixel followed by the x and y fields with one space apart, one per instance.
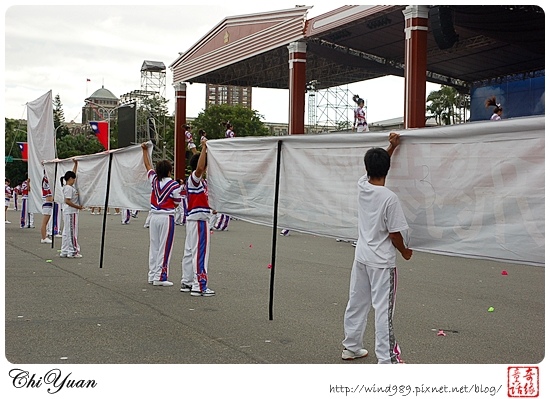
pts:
pixel 297 87
pixel 179 133
pixel 416 43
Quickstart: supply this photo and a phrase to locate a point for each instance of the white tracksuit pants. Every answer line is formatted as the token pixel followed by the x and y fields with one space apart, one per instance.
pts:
pixel 196 252
pixel 161 241
pixel 69 240
pixel 125 215
pixel 27 218
pixel 374 287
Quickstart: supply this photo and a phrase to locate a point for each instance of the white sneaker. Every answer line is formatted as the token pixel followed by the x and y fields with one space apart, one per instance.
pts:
pixel 7 221
pixel 75 256
pixel 349 355
pixel 46 241
pixel 206 292
pixel 163 283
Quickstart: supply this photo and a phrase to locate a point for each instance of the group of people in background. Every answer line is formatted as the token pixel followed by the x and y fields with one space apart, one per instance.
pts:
pixel 50 225
pixel 21 190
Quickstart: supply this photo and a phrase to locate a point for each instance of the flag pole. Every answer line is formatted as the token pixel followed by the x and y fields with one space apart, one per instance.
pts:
pixel 105 211
pixel 274 242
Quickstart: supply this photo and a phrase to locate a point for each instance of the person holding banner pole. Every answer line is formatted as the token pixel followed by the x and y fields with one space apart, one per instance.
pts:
pixel 196 252
pixel 373 281
pixel 71 206
pixel 165 197
pixel 47 209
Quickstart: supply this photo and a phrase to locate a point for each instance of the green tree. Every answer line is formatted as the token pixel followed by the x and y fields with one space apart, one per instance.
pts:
pixel 59 118
pixel 246 122
pixel 15 131
pixel 81 144
pixel 444 106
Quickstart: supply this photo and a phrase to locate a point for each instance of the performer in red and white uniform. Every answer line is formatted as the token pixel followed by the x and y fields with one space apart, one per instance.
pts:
pixel 27 218
pixel 189 138
pixel 15 192
pixel 181 210
pixel 8 198
pixel 165 198
pixel 197 241
pixel 50 212
pixel 360 115
pixel 497 111
pixel 229 133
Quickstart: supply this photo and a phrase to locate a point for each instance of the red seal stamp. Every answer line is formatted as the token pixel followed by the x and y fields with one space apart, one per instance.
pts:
pixel 523 382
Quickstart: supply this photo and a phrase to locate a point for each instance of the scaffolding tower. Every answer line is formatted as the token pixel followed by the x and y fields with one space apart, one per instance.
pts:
pixel 153 86
pixel 329 110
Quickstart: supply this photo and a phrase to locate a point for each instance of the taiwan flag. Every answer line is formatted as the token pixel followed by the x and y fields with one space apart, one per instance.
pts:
pixel 24 151
pixel 101 130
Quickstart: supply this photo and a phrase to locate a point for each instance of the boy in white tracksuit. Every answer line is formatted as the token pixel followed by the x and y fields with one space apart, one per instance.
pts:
pixel 374 273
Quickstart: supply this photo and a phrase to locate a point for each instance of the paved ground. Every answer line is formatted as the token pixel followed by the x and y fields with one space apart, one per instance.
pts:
pixel 71 308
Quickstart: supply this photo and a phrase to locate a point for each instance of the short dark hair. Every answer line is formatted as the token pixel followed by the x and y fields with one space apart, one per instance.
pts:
pixel 194 161
pixel 377 162
pixel 163 169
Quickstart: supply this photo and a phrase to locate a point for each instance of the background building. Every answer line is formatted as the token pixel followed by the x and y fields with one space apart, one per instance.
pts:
pixel 231 95
pixel 99 106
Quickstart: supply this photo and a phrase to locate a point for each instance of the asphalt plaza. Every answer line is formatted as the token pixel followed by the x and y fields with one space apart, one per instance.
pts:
pixel 59 310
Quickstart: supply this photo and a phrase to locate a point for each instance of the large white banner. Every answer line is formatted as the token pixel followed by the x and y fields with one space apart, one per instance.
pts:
pixel 472 190
pixel 41 145
pixel 129 187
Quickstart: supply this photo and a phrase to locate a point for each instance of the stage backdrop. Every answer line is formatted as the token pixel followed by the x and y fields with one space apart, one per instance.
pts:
pixel 472 190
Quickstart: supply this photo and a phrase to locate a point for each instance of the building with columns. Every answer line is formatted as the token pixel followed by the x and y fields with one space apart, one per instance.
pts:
pixel 460 46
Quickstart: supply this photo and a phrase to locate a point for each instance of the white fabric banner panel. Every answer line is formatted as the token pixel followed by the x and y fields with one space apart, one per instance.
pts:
pixel 41 145
pixel 245 186
pixel 472 190
pixel 129 187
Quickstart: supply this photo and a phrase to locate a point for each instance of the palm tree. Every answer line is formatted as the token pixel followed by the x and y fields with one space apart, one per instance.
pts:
pixel 443 105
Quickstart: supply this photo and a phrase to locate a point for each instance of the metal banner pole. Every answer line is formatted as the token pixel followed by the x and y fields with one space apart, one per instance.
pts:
pixel 274 242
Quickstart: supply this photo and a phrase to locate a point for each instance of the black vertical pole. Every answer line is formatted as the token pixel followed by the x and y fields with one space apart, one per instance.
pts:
pixel 53 204
pixel 105 210
pixel 274 242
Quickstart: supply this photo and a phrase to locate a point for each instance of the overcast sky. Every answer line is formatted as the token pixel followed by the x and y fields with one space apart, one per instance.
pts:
pixel 59 47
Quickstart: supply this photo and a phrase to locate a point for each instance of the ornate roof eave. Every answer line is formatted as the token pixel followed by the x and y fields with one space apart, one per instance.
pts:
pixel 264 31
